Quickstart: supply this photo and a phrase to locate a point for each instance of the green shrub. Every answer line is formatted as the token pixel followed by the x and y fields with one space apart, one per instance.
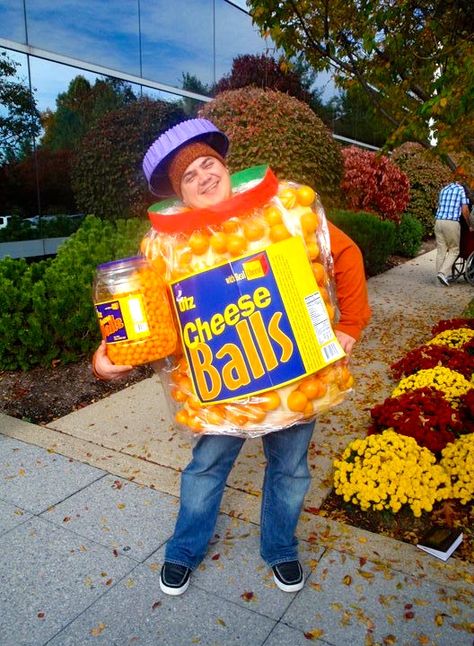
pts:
pixel 107 175
pixel 374 237
pixel 469 311
pixel 409 235
pixel 427 175
pixel 269 127
pixel 48 310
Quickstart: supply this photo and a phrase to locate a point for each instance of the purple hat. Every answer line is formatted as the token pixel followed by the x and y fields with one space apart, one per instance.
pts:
pixel 159 155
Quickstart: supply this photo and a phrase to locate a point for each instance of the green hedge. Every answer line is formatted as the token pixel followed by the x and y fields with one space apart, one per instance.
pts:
pixel 47 308
pixel 409 236
pixel 375 238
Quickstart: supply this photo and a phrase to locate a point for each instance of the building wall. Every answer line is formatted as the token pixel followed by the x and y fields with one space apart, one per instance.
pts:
pixel 150 44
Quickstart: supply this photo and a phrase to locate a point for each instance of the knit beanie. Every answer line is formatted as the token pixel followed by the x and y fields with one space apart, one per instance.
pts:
pixel 186 156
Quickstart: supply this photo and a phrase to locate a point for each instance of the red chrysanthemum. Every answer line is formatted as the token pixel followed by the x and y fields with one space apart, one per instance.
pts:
pixel 430 356
pixel 451 324
pixel 423 414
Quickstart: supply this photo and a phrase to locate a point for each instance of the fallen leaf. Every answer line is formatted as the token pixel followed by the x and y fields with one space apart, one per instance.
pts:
pixel 156 605
pixel 40 615
pixel 220 621
pixel 247 596
pixel 366 575
pixel 314 634
pixel 120 505
pixel 347 580
pixel 97 630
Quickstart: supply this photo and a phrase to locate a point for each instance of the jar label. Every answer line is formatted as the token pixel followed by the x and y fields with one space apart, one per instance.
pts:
pixel 123 319
pixel 254 323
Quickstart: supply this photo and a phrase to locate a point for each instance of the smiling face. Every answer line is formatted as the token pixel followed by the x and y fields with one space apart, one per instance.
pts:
pixel 205 182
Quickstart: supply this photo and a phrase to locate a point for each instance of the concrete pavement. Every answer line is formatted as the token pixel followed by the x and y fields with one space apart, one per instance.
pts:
pixel 88 502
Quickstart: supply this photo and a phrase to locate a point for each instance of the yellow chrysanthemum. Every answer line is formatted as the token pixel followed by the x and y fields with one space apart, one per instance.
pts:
pixel 389 470
pixel 458 461
pixel 451 383
pixel 453 338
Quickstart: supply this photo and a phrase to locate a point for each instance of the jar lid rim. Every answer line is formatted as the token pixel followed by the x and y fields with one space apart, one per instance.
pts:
pixel 121 261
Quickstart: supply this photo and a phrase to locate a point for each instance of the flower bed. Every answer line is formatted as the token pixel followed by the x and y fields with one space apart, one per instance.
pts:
pixel 418 456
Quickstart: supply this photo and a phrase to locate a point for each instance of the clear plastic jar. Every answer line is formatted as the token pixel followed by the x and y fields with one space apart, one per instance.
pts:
pixel 134 312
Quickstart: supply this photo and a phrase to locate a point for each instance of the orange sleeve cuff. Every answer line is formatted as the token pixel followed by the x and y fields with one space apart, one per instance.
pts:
pixel 351 284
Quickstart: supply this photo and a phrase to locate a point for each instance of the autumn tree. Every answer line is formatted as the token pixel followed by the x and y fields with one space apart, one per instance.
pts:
pixel 356 117
pixel 79 109
pixel 191 83
pixel 414 60
pixel 19 117
pixel 263 71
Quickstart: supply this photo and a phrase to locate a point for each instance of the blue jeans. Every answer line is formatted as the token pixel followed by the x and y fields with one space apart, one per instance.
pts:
pixel 286 482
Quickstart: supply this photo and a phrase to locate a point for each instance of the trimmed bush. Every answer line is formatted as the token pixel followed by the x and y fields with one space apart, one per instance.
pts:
pixel 427 175
pixel 372 182
pixel 269 127
pixel 107 176
pixel 409 235
pixel 374 237
pixel 48 310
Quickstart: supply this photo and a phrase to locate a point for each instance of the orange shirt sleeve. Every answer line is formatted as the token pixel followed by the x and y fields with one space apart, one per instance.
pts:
pixel 351 284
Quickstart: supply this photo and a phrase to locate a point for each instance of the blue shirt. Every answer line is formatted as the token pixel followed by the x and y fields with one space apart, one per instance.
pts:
pixel 451 199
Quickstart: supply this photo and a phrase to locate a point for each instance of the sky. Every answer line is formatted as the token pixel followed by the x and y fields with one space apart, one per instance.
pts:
pixel 175 38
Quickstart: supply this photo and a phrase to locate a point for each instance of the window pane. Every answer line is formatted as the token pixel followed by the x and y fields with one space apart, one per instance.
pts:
pixel 105 33
pixel 12 23
pixel 235 35
pixel 176 40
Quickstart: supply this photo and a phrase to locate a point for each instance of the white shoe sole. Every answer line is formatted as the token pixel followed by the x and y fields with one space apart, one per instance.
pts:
pixel 289 588
pixel 174 592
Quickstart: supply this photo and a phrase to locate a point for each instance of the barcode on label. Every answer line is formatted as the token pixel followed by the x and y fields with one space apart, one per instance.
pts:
pixel 331 350
pixel 319 317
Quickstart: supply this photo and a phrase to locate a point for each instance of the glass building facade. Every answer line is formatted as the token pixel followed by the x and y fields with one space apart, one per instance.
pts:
pixel 154 46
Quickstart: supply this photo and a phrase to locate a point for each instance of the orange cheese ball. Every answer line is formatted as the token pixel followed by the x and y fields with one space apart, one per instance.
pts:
pixel 309 222
pixel 269 400
pixel 279 232
pixel 297 401
pixel 272 215
pixel 312 388
pixel 218 242
pixel 288 197
pixel 236 244
pixel 319 272
pixel 253 230
pixel 199 242
pixel 305 195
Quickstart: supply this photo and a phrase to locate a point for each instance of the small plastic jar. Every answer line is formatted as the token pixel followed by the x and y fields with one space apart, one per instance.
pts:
pixel 134 312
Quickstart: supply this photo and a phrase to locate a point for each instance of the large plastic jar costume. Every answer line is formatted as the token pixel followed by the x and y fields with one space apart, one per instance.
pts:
pixel 251 284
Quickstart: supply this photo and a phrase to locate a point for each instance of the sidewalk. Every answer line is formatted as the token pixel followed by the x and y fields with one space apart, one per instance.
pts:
pixel 88 502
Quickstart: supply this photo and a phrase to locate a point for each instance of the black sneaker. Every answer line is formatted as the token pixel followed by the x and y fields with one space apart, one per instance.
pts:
pixel 174 578
pixel 288 576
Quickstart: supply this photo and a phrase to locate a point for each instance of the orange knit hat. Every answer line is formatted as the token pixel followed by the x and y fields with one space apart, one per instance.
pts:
pixel 186 156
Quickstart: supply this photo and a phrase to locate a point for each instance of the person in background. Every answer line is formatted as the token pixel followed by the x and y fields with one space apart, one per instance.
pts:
pixel 196 172
pixel 452 206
